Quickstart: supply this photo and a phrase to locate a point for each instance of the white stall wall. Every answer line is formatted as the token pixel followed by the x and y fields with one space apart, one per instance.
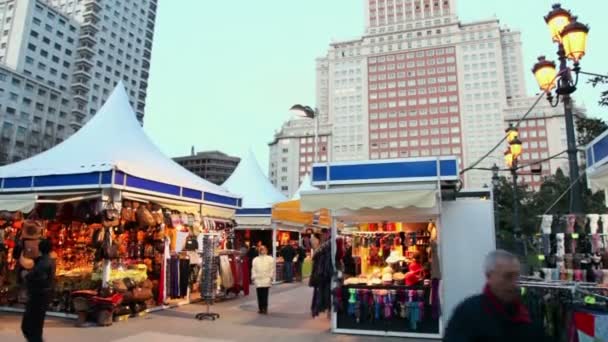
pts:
pixel 467 236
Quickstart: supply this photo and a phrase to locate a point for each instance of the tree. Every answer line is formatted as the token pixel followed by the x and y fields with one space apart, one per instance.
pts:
pixel 546 199
pixel 588 129
pixel 604 95
pixel 503 197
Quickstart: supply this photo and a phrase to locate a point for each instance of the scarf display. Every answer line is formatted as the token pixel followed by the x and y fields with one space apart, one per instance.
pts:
pixel 591 327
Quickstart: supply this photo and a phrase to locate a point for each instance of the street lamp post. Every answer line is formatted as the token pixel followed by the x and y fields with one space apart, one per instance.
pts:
pixel 512 155
pixel 308 112
pixel 571 37
pixel 495 183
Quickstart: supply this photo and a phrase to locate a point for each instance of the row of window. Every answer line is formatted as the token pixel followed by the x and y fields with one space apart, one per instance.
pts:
pixel 418 91
pixel 433 141
pixel 483 96
pixel 32 47
pixel 454 119
pixel 418 64
pixel 413 112
pixel 416 153
pixel 52 16
pixel 411 55
pixel 412 132
pixel 422 81
pixel 413 102
pixel 410 74
pixel 309 159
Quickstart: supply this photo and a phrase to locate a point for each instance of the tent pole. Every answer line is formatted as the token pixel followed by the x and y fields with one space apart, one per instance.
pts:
pixel 274 247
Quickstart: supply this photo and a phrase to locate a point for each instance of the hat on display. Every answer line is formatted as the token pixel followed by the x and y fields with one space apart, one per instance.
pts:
pixel 31 230
pixel 394 257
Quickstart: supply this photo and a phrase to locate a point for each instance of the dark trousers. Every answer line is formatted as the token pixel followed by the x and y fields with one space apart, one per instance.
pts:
pixel 298 270
pixel 288 269
pixel 262 298
pixel 33 318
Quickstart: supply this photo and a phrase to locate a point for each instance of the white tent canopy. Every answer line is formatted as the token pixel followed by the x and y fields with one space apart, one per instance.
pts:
pixel 305 186
pixel 252 185
pixel 114 147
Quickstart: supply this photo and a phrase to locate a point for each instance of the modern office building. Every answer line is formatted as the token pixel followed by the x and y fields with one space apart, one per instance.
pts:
pixel 59 61
pixel 292 153
pixel 213 166
pixel 420 83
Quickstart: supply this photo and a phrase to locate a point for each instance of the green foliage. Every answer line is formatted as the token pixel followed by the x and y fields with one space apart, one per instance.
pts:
pixel 533 204
pixel 588 129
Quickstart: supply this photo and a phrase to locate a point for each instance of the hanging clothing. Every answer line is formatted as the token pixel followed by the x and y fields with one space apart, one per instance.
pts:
pixel 246 275
pixel 184 277
pixel 226 272
pixel 435 265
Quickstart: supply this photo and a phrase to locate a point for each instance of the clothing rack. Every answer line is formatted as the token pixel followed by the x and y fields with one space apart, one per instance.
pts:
pixel 578 287
pixel 209 272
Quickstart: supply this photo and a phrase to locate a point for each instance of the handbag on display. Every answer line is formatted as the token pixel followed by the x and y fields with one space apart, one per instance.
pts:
pixel 191 243
pixel 157 213
pixel 109 250
pixel 141 295
pixel 126 213
pixel 110 216
pixel 144 217
pixel 119 286
pixel 129 283
pixel 25 262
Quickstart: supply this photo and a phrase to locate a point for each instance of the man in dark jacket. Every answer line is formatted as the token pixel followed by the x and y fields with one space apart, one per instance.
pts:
pixel 301 253
pixel 39 284
pixel 252 253
pixel 497 314
pixel 288 253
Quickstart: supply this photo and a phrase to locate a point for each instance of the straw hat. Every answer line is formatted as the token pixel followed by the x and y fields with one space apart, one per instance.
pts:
pixel 394 257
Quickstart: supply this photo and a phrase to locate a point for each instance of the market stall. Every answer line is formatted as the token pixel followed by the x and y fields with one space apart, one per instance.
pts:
pixel 398 259
pixel 114 207
pixel 253 219
pixel 290 222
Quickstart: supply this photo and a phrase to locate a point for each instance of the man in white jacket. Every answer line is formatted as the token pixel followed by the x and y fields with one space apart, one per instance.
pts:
pixel 262 272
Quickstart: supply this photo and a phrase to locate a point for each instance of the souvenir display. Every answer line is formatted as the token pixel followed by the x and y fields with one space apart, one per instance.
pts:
pixel 391 278
pixel 131 238
pixel 574 248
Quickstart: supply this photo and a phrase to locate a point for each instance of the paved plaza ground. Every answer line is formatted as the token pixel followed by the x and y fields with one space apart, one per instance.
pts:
pixel 289 320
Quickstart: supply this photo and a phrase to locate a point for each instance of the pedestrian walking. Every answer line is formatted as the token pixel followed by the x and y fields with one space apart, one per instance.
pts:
pixel 262 273
pixel 301 256
pixel 288 253
pixel 252 253
pixel 39 282
pixel 497 314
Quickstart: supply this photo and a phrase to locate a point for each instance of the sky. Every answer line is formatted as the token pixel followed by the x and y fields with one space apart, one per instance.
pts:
pixel 224 73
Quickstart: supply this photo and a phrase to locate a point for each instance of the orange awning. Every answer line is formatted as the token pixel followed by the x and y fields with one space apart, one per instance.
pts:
pixel 289 212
